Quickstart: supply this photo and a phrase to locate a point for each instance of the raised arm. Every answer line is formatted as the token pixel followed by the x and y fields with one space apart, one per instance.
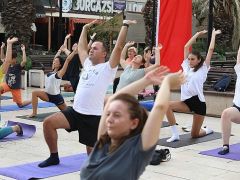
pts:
pixel 65 65
pixel 132 89
pixel 157 59
pixel 82 43
pixel 211 46
pixel 24 56
pixel 151 130
pixel 2 52
pixel 191 41
pixel 123 54
pixel 64 47
pixel 8 58
pixel 238 55
pixel 92 38
pixel 114 59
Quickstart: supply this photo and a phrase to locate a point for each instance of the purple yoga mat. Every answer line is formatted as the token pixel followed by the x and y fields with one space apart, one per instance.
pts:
pixel 234 152
pixel 28 132
pixel 67 164
pixel 14 107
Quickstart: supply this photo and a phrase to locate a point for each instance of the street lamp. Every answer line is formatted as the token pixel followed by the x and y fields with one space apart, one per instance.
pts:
pixel 60 25
pixel 210 22
pixel 153 24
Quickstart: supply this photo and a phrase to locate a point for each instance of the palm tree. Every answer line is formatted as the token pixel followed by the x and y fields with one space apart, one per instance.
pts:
pixel 17 17
pixel 226 18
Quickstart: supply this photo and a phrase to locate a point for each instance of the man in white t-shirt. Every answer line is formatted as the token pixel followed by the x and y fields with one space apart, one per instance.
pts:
pixel 87 109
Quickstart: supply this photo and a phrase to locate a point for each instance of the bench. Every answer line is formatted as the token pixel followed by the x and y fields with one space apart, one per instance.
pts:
pixel 223 64
pixel 42 62
pixel 216 73
pixel 41 65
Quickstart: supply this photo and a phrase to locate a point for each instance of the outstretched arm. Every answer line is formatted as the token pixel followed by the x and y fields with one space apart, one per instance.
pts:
pixel 2 52
pixel 157 59
pixel 116 53
pixel 191 41
pixel 123 53
pixel 92 37
pixel 8 58
pixel 151 130
pixel 238 55
pixel 82 43
pixel 211 46
pixel 24 56
pixel 65 65
pixel 132 89
pixel 64 48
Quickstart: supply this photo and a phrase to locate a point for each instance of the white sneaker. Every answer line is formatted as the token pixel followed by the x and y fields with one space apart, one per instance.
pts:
pixel 187 128
pixel 173 138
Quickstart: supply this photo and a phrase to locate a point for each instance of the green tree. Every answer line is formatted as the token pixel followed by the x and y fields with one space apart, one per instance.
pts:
pixel 17 17
pixel 226 18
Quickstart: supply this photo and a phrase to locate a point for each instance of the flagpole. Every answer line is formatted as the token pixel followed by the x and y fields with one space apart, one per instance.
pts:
pixel 153 24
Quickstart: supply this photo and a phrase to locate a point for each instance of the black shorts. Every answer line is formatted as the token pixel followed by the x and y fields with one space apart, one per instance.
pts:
pixel 238 108
pixel 55 99
pixel 196 106
pixel 86 125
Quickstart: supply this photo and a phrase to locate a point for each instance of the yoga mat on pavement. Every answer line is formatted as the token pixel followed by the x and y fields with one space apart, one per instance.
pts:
pixel 147 104
pixel 165 124
pixel 5 97
pixel 186 140
pixel 16 108
pixel 28 132
pixel 67 164
pixel 68 94
pixel 234 153
pixel 38 117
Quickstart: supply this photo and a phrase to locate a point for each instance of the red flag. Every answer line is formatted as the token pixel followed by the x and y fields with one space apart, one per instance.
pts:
pixel 174 29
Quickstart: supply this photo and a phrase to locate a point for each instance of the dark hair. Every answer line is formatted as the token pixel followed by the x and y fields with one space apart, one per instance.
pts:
pixel 147 49
pixel 14 54
pixel 61 60
pixel 135 111
pixel 199 57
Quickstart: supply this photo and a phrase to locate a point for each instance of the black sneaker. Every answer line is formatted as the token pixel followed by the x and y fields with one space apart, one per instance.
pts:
pixel 159 156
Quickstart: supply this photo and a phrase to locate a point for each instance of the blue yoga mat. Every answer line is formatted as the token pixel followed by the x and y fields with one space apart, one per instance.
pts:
pixel 67 164
pixel 5 97
pixel 28 132
pixel 147 104
pixel 16 108
pixel 234 153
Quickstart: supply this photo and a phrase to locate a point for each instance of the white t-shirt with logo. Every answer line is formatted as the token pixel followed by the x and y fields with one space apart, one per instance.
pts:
pixel 194 81
pixel 52 83
pixel 92 87
pixel 236 99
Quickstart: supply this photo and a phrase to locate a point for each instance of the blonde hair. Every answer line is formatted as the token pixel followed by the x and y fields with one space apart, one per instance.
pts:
pixel 134 49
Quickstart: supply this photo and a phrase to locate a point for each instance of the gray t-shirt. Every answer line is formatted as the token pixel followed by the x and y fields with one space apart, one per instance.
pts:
pixel 126 163
pixel 130 75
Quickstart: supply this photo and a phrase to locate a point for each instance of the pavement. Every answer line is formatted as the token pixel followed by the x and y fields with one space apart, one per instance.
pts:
pixel 186 162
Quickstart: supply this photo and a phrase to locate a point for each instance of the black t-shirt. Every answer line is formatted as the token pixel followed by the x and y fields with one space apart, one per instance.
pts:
pixel 13 76
pixel 74 68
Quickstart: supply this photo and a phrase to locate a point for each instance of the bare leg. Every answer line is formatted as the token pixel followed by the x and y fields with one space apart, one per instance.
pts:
pixel 35 95
pixel 50 126
pixel 24 103
pixel 196 126
pixel 89 149
pixel 175 106
pixel 62 106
